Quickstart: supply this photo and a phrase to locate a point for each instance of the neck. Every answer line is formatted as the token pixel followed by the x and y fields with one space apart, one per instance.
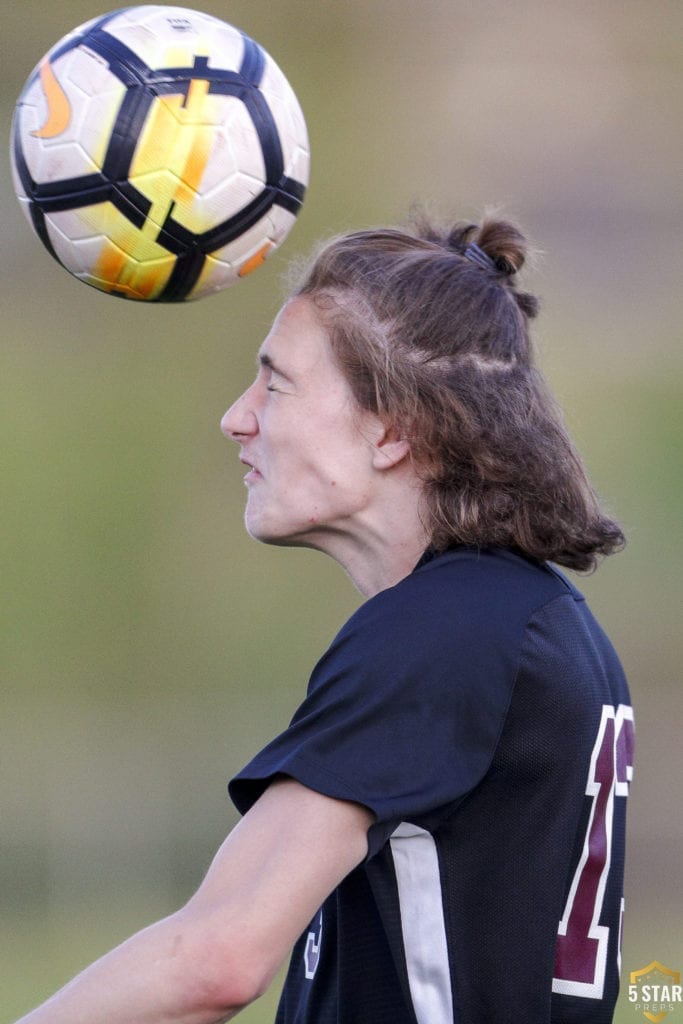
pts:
pixel 379 548
pixel 372 571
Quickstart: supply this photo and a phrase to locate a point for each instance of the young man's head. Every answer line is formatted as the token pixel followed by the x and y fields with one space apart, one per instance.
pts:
pixel 410 351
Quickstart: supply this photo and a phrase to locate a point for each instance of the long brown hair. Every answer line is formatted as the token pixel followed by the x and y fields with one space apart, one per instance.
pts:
pixel 432 333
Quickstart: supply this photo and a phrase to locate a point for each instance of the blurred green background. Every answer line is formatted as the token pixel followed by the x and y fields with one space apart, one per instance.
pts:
pixel 148 646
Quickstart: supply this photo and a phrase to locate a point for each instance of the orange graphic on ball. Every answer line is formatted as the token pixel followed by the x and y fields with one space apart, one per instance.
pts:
pixel 58 106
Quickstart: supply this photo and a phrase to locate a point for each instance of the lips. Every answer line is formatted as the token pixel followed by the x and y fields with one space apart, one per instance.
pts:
pixel 253 474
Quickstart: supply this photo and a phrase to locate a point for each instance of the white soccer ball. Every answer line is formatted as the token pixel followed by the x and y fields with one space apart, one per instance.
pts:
pixel 159 153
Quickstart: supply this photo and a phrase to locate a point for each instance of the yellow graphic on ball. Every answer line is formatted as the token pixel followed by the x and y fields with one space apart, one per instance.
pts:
pixel 167 168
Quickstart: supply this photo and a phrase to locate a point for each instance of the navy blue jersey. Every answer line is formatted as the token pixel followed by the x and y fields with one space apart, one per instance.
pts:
pixel 480 712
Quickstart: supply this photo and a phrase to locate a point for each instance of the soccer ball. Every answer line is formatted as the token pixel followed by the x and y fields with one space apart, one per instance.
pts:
pixel 159 153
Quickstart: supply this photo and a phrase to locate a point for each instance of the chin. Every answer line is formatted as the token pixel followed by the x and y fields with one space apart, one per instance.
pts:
pixel 261 531
pixel 277 535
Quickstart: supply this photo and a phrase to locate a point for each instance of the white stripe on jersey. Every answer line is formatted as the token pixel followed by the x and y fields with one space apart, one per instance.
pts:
pixel 424 932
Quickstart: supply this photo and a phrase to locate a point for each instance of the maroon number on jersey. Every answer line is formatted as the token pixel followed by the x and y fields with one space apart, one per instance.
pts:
pixel 581 951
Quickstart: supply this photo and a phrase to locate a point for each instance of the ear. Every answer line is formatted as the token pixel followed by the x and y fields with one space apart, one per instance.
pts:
pixel 390 448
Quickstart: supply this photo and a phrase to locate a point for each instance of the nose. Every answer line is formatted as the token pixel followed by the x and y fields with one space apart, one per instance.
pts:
pixel 240 420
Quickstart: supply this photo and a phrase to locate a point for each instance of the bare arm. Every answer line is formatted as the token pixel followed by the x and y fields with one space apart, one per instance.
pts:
pixel 204 963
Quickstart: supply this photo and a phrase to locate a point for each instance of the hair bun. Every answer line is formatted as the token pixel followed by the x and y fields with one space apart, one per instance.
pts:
pixel 504 245
pixel 503 242
pixel 499 239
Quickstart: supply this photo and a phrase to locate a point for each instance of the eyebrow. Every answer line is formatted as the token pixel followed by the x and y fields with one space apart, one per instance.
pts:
pixel 265 361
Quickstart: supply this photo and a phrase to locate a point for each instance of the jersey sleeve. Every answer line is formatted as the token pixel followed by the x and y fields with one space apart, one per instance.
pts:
pixel 403 712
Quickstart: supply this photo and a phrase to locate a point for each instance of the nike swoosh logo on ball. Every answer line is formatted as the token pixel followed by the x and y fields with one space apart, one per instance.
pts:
pixel 58 106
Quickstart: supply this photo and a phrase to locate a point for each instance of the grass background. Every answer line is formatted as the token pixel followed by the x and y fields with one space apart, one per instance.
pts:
pixel 149 647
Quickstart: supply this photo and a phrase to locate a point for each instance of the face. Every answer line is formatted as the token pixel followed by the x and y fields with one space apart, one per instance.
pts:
pixel 308 447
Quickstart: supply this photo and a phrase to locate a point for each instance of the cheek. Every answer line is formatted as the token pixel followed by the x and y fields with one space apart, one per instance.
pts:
pixel 345 463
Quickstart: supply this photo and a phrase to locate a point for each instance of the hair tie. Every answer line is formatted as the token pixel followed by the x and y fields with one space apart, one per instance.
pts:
pixel 477 255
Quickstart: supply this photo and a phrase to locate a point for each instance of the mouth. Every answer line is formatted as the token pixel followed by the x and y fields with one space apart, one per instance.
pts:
pixel 253 473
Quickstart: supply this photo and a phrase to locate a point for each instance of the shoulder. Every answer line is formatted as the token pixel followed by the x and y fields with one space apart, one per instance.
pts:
pixel 463 590
pixel 462 610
